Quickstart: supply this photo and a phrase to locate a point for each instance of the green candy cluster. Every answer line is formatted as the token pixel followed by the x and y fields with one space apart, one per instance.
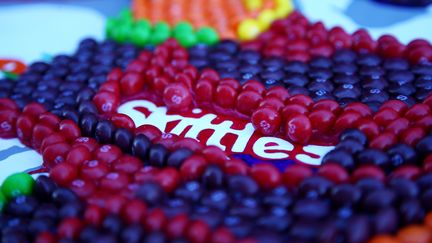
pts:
pixel 140 32
pixel 15 185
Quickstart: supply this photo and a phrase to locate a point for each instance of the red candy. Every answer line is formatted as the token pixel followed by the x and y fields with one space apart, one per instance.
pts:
pixel 168 178
pixel 24 126
pixel 7 123
pixel 322 120
pixel 33 110
pixel 198 232
pixel 368 127
pixel 299 99
pixel 247 101
pixel 49 119
pixel 416 112
pixel 225 96
pixel 107 153
pixel 266 175
pixel 40 132
pixel 135 211
pixel 177 226
pixel 84 188
pixel 106 102
pixel 193 167
pixel 55 153
pixel 69 228
pixel 383 141
pixel 63 173
pixel 412 135
pixel 368 171
pixel 298 129
pixel 127 164
pixel 294 174
pixel 94 169
pixel 131 83
pixel 204 90
pixel 334 172
pixel 122 120
pixel 94 215
pixel 266 120
pixel 346 120
pixel 236 166
pixel 155 220
pixel 293 109
pixel 384 116
pixel 177 97
pixel 254 85
pixel 329 105
pixel 222 235
pixel 51 139
pixel 69 130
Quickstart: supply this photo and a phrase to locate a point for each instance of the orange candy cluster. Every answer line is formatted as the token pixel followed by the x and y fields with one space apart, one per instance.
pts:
pixel 223 15
pixel 409 234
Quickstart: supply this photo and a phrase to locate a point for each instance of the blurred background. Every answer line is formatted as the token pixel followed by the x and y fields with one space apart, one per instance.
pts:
pixel 31 29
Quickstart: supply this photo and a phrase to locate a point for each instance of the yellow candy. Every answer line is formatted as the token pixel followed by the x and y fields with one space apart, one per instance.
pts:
pixel 265 19
pixel 248 29
pixel 283 8
pixel 252 5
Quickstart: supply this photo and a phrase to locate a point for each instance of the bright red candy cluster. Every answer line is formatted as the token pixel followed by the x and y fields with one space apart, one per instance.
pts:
pixel 296 38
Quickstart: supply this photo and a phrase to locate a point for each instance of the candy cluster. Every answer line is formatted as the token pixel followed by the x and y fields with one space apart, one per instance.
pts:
pixel 141 32
pixel 345 76
pixel 295 38
pixel 111 181
pixel 244 19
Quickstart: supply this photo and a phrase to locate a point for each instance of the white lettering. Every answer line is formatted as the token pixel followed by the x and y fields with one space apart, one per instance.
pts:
pixel 159 118
pixel 263 144
pixel 198 121
pixel 320 151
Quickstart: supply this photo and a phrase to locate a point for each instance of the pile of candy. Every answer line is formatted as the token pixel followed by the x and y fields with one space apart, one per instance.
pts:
pixel 141 32
pixel 110 181
pixel 244 19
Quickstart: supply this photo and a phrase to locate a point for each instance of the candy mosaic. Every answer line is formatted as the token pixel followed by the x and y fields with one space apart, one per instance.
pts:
pixel 172 140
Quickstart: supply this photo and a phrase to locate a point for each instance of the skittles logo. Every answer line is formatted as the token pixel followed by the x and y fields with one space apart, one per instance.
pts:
pixel 235 136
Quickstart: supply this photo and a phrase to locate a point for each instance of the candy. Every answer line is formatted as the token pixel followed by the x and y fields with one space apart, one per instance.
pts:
pixel 219 191
pixel 2 201
pixel 17 184
pixel 248 29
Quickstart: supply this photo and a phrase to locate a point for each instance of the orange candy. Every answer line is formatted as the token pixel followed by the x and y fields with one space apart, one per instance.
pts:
pixel 428 221
pixel 384 239
pixel 223 15
pixel 415 234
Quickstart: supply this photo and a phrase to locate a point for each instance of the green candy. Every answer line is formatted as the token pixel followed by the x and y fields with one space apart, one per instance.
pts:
pixel 161 32
pixel 126 14
pixel 161 27
pixel 2 201
pixel 182 28
pixel 207 35
pixel 187 39
pixel 143 24
pixel 122 32
pixel 17 184
pixel 111 24
pixel 158 38
pixel 140 36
